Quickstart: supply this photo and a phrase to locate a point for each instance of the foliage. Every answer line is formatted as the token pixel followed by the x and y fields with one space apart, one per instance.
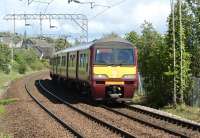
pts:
pixel 194 10
pixel 156 56
pixel 132 37
pixel 27 58
pixel 17 39
pixel 188 112
pixel 49 39
pixel 61 44
pixel 22 69
pixel 5 58
pixel 111 35
pixel 7 101
pixel 152 65
pixel 2 109
pixel 182 88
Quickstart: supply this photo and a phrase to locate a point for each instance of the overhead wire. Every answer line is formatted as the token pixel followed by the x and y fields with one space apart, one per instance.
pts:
pixel 45 10
pixel 105 10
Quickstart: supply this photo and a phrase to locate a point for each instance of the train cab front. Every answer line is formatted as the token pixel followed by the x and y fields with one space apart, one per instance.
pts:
pixel 114 73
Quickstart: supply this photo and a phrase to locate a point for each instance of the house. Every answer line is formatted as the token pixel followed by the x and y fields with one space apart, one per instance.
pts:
pixel 8 40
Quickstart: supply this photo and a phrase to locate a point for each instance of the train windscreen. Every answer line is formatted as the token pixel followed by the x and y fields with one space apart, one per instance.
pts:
pixel 114 56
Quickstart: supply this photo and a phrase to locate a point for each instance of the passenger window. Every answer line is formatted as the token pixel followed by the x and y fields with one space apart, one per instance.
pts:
pixel 81 60
pixel 71 60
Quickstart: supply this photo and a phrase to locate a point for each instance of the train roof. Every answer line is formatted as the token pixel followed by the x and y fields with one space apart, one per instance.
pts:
pixel 113 39
pixel 75 48
pixel 96 42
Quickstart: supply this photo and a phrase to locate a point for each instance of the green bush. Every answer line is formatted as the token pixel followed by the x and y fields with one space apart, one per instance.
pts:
pixel 22 69
pixel 5 58
pixel 24 60
pixel 37 65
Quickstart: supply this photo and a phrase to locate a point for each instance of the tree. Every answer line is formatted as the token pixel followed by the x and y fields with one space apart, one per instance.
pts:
pixel 17 39
pixel 5 59
pixel 182 34
pixel 61 44
pixel 132 37
pixel 194 6
pixel 111 35
pixel 153 65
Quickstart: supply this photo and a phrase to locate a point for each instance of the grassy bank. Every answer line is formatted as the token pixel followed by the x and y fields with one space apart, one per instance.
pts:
pixel 5 79
pixel 5 102
pixel 188 112
pixel 191 113
pixel 2 109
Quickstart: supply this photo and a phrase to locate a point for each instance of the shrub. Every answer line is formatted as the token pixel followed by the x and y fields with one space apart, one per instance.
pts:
pixel 37 65
pixel 22 69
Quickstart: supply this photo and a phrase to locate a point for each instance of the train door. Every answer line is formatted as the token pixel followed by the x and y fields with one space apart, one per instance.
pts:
pixel 77 64
pixel 67 65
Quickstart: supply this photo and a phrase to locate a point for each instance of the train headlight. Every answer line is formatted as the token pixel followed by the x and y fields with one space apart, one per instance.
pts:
pixel 100 76
pixel 129 76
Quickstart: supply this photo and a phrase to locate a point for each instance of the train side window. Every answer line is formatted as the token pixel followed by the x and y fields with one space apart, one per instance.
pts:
pixel 63 60
pixel 59 60
pixel 73 61
pixel 81 61
pixel 70 60
pixel 86 62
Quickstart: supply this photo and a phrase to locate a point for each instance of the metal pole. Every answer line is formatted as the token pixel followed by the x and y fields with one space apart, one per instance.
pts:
pixel 40 25
pixel 181 48
pixel 174 50
pixel 12 50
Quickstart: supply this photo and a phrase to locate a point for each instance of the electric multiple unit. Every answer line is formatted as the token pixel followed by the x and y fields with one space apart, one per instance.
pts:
pixel 104 69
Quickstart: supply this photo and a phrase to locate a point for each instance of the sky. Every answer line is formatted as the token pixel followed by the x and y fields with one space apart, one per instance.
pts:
pixel 119 16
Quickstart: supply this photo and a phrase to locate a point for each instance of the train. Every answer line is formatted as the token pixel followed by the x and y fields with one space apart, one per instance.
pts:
pixel 104 69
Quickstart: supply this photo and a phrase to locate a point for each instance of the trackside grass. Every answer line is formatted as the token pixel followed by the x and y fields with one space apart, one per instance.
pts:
pixel 6 78
pixel 2 135
pixel 7 101
pixel 191 113
pixel 184 111
pixel 2 110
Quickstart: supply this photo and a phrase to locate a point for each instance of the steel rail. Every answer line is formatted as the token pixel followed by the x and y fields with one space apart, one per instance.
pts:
pixel 183 123
pixel 71 129
pixel 170 131
pixel 111 127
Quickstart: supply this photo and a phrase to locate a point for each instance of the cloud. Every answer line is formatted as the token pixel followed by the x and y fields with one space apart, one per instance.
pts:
pixel 121 18
pixel 155 12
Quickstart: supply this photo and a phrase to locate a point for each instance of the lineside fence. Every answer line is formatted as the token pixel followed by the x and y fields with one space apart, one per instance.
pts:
pixel 194 97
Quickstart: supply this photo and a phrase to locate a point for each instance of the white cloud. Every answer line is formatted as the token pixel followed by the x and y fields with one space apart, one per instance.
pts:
pixel 123 18
pixel 155 12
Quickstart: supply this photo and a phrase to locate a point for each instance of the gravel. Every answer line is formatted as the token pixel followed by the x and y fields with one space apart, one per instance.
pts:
pixel 25 119
pixel 82 124
pixel 124 123
pixel 121 122
pixel 163 123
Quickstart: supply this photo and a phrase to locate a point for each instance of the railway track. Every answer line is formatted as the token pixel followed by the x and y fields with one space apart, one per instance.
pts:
pixel 184 123
pixel 112 128
pixel 91 117
pixel 59 120
pixel 167 127
pixel 123 133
